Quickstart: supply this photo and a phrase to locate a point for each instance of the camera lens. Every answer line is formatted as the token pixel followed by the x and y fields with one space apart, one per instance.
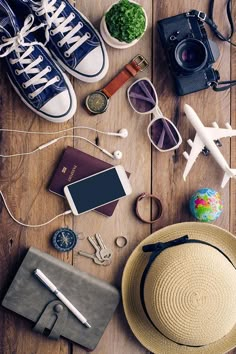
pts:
pixel 191 54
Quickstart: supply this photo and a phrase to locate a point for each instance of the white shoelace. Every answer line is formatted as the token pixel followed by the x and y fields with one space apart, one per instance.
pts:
pixel 18 45
pixel 52 15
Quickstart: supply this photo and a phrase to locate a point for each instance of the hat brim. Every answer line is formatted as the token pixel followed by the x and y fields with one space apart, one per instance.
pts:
pixel 140 325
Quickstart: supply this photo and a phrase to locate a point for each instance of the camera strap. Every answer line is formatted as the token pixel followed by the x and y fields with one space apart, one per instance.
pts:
pixel 201 16
pixel 230 19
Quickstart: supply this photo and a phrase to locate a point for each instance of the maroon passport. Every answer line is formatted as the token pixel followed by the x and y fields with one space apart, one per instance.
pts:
pixel 75 165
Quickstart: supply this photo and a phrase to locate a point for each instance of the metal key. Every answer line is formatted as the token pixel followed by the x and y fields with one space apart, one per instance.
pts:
pixel 105 253
pixel 96 247
pixel 94 258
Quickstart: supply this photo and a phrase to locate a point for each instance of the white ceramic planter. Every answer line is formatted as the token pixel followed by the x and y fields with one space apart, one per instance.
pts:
pixel 113 42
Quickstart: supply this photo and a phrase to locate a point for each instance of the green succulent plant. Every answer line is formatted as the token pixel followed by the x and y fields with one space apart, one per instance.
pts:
pixel 125 21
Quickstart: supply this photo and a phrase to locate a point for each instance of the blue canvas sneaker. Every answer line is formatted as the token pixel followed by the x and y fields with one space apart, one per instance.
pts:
pixel 72 39
pixel 39 82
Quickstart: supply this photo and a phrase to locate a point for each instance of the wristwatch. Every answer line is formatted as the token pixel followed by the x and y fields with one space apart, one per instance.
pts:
pixel 97 102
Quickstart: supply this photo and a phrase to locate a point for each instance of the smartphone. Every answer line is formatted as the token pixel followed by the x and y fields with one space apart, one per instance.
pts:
pixel 97 190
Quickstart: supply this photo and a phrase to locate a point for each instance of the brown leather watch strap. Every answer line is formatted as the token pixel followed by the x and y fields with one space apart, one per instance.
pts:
pixel 158 203
pixel 139 63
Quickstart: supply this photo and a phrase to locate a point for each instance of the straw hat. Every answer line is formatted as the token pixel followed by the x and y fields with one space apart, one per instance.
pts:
pixel 183 298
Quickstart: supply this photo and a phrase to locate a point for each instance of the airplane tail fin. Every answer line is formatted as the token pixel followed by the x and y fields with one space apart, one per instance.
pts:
pixel 229 174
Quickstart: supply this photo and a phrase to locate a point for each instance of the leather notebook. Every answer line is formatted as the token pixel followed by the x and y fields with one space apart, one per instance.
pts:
pixel 75 165
pixel 94 298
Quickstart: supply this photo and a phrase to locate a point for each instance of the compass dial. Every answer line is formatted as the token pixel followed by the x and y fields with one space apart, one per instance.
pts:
pixel 97 102
pixel 64 239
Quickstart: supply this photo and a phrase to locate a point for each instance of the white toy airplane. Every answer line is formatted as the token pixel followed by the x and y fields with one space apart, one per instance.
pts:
pixel 206 137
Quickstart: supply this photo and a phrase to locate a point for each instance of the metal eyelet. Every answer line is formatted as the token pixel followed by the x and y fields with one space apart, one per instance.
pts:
pixel 17 72
pixel 24 85
pixel 88 35
pixel 51 32
pixel 31 97
pixel 81 24
pixel 41 58
pixel 49 68
pixel 67 55
pixel 72 14
pixel 58 78
pixel 59 44
pixel 37 13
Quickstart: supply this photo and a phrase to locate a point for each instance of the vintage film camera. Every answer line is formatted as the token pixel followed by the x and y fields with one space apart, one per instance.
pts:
pixel 189 51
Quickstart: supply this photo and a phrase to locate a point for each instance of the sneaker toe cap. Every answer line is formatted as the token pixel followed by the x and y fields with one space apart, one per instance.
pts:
pixel 60 108
pixel 93 65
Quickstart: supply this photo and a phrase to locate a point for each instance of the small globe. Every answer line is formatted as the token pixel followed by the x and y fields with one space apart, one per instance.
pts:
pixel 206 205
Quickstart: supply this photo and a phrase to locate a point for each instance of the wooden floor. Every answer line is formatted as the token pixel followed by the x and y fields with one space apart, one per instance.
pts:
pixel 24 180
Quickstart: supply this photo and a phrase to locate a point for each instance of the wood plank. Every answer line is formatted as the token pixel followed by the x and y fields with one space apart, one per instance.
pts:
pixel 233 123
pixel 168 168
pixel 233 141
pixel 24 183
pixel 117 338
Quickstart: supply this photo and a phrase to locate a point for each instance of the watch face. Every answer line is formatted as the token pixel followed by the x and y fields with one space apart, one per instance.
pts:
pixel 64 239
pixel 97 102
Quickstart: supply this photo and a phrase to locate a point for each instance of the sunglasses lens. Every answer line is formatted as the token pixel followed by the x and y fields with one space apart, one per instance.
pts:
pixel 142 96
pixel 163 134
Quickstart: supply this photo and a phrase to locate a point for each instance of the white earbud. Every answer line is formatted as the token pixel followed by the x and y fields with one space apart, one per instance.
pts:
pixel 117 155
pixel 123 133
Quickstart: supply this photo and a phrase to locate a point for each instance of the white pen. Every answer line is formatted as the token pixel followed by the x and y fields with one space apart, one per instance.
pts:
pixel 42 277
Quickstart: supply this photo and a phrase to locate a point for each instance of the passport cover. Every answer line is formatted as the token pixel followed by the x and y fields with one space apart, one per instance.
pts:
pixel 75 165
pixel 94 298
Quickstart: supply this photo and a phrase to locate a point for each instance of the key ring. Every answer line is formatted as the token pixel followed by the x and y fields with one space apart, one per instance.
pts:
pixel 158 203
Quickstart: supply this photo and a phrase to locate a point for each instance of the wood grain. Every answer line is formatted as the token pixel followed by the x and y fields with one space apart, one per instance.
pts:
pixel 210 106
pixel 137 160
pixel 233 141
pixel 24 180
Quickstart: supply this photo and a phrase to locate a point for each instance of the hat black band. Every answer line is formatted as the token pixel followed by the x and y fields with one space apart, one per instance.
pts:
pixel 157 249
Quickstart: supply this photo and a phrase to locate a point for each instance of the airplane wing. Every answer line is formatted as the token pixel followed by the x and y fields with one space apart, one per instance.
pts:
pixel 230 173
pixel 218 133
pixel 196 150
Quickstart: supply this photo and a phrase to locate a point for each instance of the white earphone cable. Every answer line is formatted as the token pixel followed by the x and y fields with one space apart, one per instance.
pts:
pixel 33 226
pixel 20 154
pixel 55 132
pixel 41 147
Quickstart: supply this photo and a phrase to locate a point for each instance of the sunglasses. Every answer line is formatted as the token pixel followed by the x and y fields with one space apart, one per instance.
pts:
pixel 162 133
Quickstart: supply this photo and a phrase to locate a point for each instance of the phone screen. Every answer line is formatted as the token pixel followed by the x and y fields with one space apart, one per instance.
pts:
pixel 96 190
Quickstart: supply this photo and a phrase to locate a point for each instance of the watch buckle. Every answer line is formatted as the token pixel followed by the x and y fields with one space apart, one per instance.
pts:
pixel 141 62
